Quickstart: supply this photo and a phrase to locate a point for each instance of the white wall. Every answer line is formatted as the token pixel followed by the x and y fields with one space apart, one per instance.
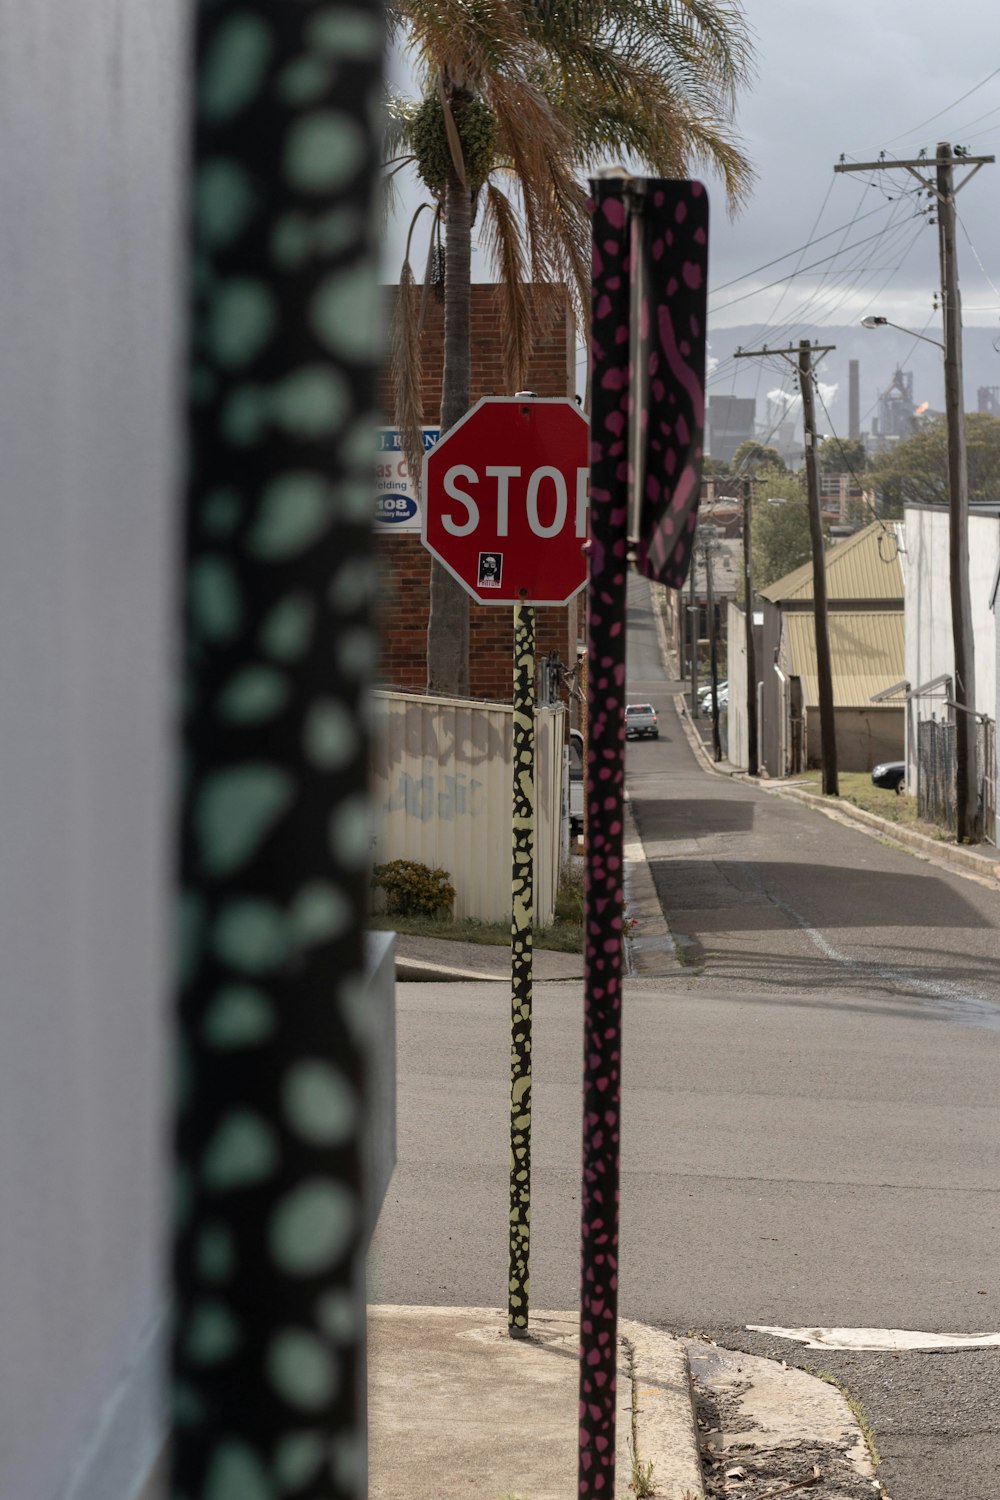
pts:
pixel 927 589
pixel 442 791
pixel 738 753
pixel 90 152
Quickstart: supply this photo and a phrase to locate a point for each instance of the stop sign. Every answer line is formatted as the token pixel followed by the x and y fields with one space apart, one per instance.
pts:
pixel 506 500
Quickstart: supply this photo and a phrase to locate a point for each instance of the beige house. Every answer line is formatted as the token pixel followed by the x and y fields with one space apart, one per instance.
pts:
pixel 864 585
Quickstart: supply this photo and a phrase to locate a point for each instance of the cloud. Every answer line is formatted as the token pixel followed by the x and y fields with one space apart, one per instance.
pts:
pixel 791 400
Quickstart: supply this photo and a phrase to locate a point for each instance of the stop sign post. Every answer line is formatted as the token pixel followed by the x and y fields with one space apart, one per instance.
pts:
pixel 505 495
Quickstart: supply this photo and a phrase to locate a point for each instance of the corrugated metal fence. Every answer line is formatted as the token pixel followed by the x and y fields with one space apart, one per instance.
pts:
pixel 441 785
pixel 936 773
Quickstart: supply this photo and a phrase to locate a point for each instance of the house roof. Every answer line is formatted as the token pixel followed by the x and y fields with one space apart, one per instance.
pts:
pixel 865 566
pixel 866 652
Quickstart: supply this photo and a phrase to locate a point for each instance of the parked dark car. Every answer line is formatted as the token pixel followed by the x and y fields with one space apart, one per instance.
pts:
pixel 890 774
pixel 640 720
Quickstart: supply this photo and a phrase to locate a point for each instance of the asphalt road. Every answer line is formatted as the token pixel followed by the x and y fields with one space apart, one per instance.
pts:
pixel 810 1122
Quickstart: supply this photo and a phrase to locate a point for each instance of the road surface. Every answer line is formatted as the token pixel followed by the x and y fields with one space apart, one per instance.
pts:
pixel 811 1132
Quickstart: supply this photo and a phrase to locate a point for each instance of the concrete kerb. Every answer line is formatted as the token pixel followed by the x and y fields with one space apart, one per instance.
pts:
pixel 650 950
pixel 458 1407
pixel 967 861
pixel 414 969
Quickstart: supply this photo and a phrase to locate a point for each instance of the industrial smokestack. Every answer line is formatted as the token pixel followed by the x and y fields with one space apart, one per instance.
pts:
pixel 853 400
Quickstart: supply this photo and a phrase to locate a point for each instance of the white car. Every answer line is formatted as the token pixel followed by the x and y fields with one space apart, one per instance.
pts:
pixel 705 696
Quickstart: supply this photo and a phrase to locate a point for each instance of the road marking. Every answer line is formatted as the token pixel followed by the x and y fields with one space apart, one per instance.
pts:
pixel 879 1338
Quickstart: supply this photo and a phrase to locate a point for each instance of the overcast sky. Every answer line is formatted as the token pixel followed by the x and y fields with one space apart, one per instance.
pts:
pixel 855 78
pixel 858 78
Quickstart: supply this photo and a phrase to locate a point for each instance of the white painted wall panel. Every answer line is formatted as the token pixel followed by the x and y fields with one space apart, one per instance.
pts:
pixel 929 649
pixel 738 751
pixel 92 311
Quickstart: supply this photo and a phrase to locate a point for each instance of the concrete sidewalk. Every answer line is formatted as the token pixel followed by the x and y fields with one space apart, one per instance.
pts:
pixel 441 959
pixel 456 1407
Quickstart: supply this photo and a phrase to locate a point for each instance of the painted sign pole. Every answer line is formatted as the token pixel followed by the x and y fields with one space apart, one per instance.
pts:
pixel 603 874
pixel 269 1296
pixel 521 940
pixel 505 511
pixel 647 416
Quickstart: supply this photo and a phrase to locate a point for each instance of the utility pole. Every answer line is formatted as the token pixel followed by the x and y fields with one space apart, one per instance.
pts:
pixel 824 671
pixel 802 358
pixel 968 820
pixel 713 661
pixel 693 639
pixel 751 657
pixel 942 187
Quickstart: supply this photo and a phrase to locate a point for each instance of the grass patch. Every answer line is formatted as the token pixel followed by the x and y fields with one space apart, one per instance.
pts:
pixel 857 1411
pixel 642 1473
pixel 856 787
pixel 564 936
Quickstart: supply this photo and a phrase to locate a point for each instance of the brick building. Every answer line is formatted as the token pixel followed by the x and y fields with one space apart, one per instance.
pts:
pixel 404 564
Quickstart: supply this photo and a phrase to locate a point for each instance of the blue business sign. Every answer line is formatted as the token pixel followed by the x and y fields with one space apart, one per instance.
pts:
pixel 396 505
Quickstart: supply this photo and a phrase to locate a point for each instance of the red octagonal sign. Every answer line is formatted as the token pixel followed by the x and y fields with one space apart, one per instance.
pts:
pixel 505 500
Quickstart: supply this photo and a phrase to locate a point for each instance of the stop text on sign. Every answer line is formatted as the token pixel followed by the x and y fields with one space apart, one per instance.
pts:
pixel 506 500
pixel 545 493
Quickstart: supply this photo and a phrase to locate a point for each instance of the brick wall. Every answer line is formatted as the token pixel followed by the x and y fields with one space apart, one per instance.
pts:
pixel 404 565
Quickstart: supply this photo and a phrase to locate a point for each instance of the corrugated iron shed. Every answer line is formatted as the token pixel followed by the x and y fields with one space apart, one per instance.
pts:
pixel 866 652
pixel 864 567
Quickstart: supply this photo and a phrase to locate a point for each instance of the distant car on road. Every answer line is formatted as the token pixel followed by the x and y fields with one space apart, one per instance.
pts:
pixel 890 774
pixel 577 788
pixel 640 721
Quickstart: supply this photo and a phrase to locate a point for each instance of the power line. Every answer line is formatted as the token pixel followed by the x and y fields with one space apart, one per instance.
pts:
pixel 978 260
pixel 931 118
pixel 800 249
pixel 962 130
pixel 823 303
pixel 847 465
pixel 861 258
pixel 811 267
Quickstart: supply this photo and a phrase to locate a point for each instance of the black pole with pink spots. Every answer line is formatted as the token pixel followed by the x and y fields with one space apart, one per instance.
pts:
pixel 650 249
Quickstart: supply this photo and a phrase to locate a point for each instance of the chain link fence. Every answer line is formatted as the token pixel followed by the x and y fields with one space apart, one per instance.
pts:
pixel 936 774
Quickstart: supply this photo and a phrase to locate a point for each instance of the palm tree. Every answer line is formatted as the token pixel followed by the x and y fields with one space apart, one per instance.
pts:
pixel 520 98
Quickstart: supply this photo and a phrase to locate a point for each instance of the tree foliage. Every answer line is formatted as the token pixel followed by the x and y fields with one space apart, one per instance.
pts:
pixel 780 537
pixel 545 90
pixel 916 470
pixel 753 456
pixel 842 456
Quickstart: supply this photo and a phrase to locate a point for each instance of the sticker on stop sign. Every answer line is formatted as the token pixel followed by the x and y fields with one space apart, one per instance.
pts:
pixel 506 500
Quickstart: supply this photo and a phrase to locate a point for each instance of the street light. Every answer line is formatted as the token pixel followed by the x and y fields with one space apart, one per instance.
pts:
pixel 872 322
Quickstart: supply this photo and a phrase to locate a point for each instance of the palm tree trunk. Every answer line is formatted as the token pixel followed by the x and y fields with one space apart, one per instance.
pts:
pixel 448 627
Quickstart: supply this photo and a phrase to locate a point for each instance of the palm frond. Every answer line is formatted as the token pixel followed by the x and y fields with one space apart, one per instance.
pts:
pixel 451 130
pixel 397 123
pixel 502 239
pixel 405 371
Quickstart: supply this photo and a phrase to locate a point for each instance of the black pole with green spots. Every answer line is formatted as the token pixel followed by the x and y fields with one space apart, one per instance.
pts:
pixel 522 919
pixel 274 825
